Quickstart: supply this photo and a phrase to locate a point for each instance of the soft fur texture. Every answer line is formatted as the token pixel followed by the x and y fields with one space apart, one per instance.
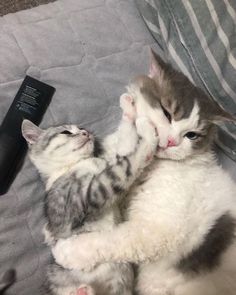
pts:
pixel 180 226
pixel 85 180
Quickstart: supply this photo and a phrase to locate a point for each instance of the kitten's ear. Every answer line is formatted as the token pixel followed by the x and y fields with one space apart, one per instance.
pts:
pixel 157 67
pixel 220 115
pixel 30 131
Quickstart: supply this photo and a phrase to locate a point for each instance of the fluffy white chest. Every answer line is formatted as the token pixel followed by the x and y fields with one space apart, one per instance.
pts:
pixel 182 197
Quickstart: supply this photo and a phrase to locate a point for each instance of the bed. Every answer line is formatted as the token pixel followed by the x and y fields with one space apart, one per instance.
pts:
pixel 87 50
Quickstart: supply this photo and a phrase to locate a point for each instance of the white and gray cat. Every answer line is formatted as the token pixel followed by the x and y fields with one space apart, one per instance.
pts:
pixel 181 221
pixel 84 181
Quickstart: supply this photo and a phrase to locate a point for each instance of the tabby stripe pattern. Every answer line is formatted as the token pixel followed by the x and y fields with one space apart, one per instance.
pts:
pixel 72 199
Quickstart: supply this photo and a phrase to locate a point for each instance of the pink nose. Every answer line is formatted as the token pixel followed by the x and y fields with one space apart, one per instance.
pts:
pixel 171 142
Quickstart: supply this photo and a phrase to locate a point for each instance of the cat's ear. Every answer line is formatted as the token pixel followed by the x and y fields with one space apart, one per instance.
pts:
pixel 30 131
pixel 220 115
pixel 157 67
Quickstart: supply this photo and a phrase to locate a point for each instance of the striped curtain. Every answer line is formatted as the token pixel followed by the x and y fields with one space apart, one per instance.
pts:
pixel 199 39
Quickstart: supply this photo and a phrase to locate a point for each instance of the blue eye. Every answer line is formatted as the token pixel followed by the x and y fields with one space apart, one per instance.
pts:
pixel 66 132
pixel 192 135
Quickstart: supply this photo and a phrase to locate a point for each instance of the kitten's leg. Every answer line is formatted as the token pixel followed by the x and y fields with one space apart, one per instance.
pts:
pixel 104 189
pixel 117 142
pixel 129 242
pixel 127 129
pixel 108 186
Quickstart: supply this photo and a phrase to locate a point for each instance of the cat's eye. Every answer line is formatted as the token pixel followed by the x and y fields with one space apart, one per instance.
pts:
pixel 192 135
pixel 167 114
pixel 66 132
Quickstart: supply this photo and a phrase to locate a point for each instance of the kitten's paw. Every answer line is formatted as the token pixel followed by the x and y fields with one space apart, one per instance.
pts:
pixel 146 130
pixel 74 253
pixel 128 106
pixel 85 290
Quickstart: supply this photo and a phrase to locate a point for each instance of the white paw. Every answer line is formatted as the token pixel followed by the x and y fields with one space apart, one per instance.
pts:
pixel 146 130
pixel 128 106
pixel 74 253
pixel 85 290
pixel 148 133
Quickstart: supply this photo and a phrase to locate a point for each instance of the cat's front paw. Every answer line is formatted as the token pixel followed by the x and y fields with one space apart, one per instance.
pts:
pixel 148 133
pixel 146 130
pixel 128 106
pixel 85 290
pixel 72 253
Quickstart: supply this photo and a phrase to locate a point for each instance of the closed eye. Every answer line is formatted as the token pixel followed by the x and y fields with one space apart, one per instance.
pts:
pixel 66 132
pixel 167 114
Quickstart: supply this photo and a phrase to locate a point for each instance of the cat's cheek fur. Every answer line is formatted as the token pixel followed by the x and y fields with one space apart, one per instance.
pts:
pixel 179 152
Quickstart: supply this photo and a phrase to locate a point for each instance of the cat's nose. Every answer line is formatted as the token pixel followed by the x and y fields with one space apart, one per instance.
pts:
pixel 85 133
pixel 171 142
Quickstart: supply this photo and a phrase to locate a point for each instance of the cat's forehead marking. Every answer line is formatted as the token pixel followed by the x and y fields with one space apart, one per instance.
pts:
pixel 145 89
pixel 48 136
pixel 179 100
pixel 182 111
pixel 189 123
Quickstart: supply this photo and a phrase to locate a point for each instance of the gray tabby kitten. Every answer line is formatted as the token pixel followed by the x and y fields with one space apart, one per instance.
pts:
pixel 181 224
pixel 84 179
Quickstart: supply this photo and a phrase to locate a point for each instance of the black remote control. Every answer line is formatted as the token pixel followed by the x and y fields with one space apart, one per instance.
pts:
pixel 30 103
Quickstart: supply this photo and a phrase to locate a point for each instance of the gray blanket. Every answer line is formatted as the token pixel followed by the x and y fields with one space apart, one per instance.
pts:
pixel 88 50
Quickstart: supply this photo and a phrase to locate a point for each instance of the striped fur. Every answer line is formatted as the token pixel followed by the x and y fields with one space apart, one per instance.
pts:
pixel 84 182
pixel 181 221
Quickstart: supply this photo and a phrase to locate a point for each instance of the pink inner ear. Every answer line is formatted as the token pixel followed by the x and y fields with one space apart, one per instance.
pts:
pixel 152 71
pixel 31 137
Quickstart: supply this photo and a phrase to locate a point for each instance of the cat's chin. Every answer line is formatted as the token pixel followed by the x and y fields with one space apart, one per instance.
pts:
pixel 169 154
pixel 88 148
